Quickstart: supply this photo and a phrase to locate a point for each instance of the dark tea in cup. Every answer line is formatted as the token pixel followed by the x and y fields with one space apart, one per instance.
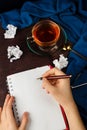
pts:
pixel 47 38
pixel 45 33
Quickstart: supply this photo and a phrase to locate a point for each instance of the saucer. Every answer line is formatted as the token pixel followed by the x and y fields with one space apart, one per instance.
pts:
pixel 33 47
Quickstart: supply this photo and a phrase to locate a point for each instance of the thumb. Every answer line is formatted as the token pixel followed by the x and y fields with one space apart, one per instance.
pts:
pixel 24 121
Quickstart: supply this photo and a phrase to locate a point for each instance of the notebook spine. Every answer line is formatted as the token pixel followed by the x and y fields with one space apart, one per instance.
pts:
pixel 11 92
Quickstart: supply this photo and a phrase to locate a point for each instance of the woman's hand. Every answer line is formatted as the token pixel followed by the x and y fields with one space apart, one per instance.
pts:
pixel 59 88
pixel 61 91
pixel 7 120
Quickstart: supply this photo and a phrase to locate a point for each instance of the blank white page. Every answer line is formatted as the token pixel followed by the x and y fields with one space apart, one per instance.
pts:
pixel 44 111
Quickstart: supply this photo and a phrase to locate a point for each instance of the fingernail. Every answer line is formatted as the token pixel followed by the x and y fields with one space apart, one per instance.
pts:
pixel 43 87
pixel 48 92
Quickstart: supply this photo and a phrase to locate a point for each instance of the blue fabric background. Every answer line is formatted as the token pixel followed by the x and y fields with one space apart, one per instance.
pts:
pixel 72 16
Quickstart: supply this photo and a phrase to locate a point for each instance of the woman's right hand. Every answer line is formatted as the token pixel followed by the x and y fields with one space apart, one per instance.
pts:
pixel 59 88
pixel 61 91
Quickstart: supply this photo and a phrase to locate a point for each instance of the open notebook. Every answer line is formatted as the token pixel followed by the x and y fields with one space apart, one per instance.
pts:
pixel 45 112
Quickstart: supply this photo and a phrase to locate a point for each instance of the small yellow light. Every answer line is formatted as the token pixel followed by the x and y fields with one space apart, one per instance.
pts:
pixel 64 48
pixel 69 47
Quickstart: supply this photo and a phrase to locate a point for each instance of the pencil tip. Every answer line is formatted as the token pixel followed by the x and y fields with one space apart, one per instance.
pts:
pixel 40 78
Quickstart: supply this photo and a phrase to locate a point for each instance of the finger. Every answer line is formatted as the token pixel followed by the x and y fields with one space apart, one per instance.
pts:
pixel 24 121
pixel 5 105
pixel 0 113
pixel 9 112
pixel 46 84
pixel 53 82
pixel 53 71
pixel 6 101
pixel 0 110
pixel 10 102
pixel 49 72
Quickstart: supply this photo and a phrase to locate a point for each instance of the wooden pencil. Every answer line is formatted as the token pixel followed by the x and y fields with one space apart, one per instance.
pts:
pixel 56 77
